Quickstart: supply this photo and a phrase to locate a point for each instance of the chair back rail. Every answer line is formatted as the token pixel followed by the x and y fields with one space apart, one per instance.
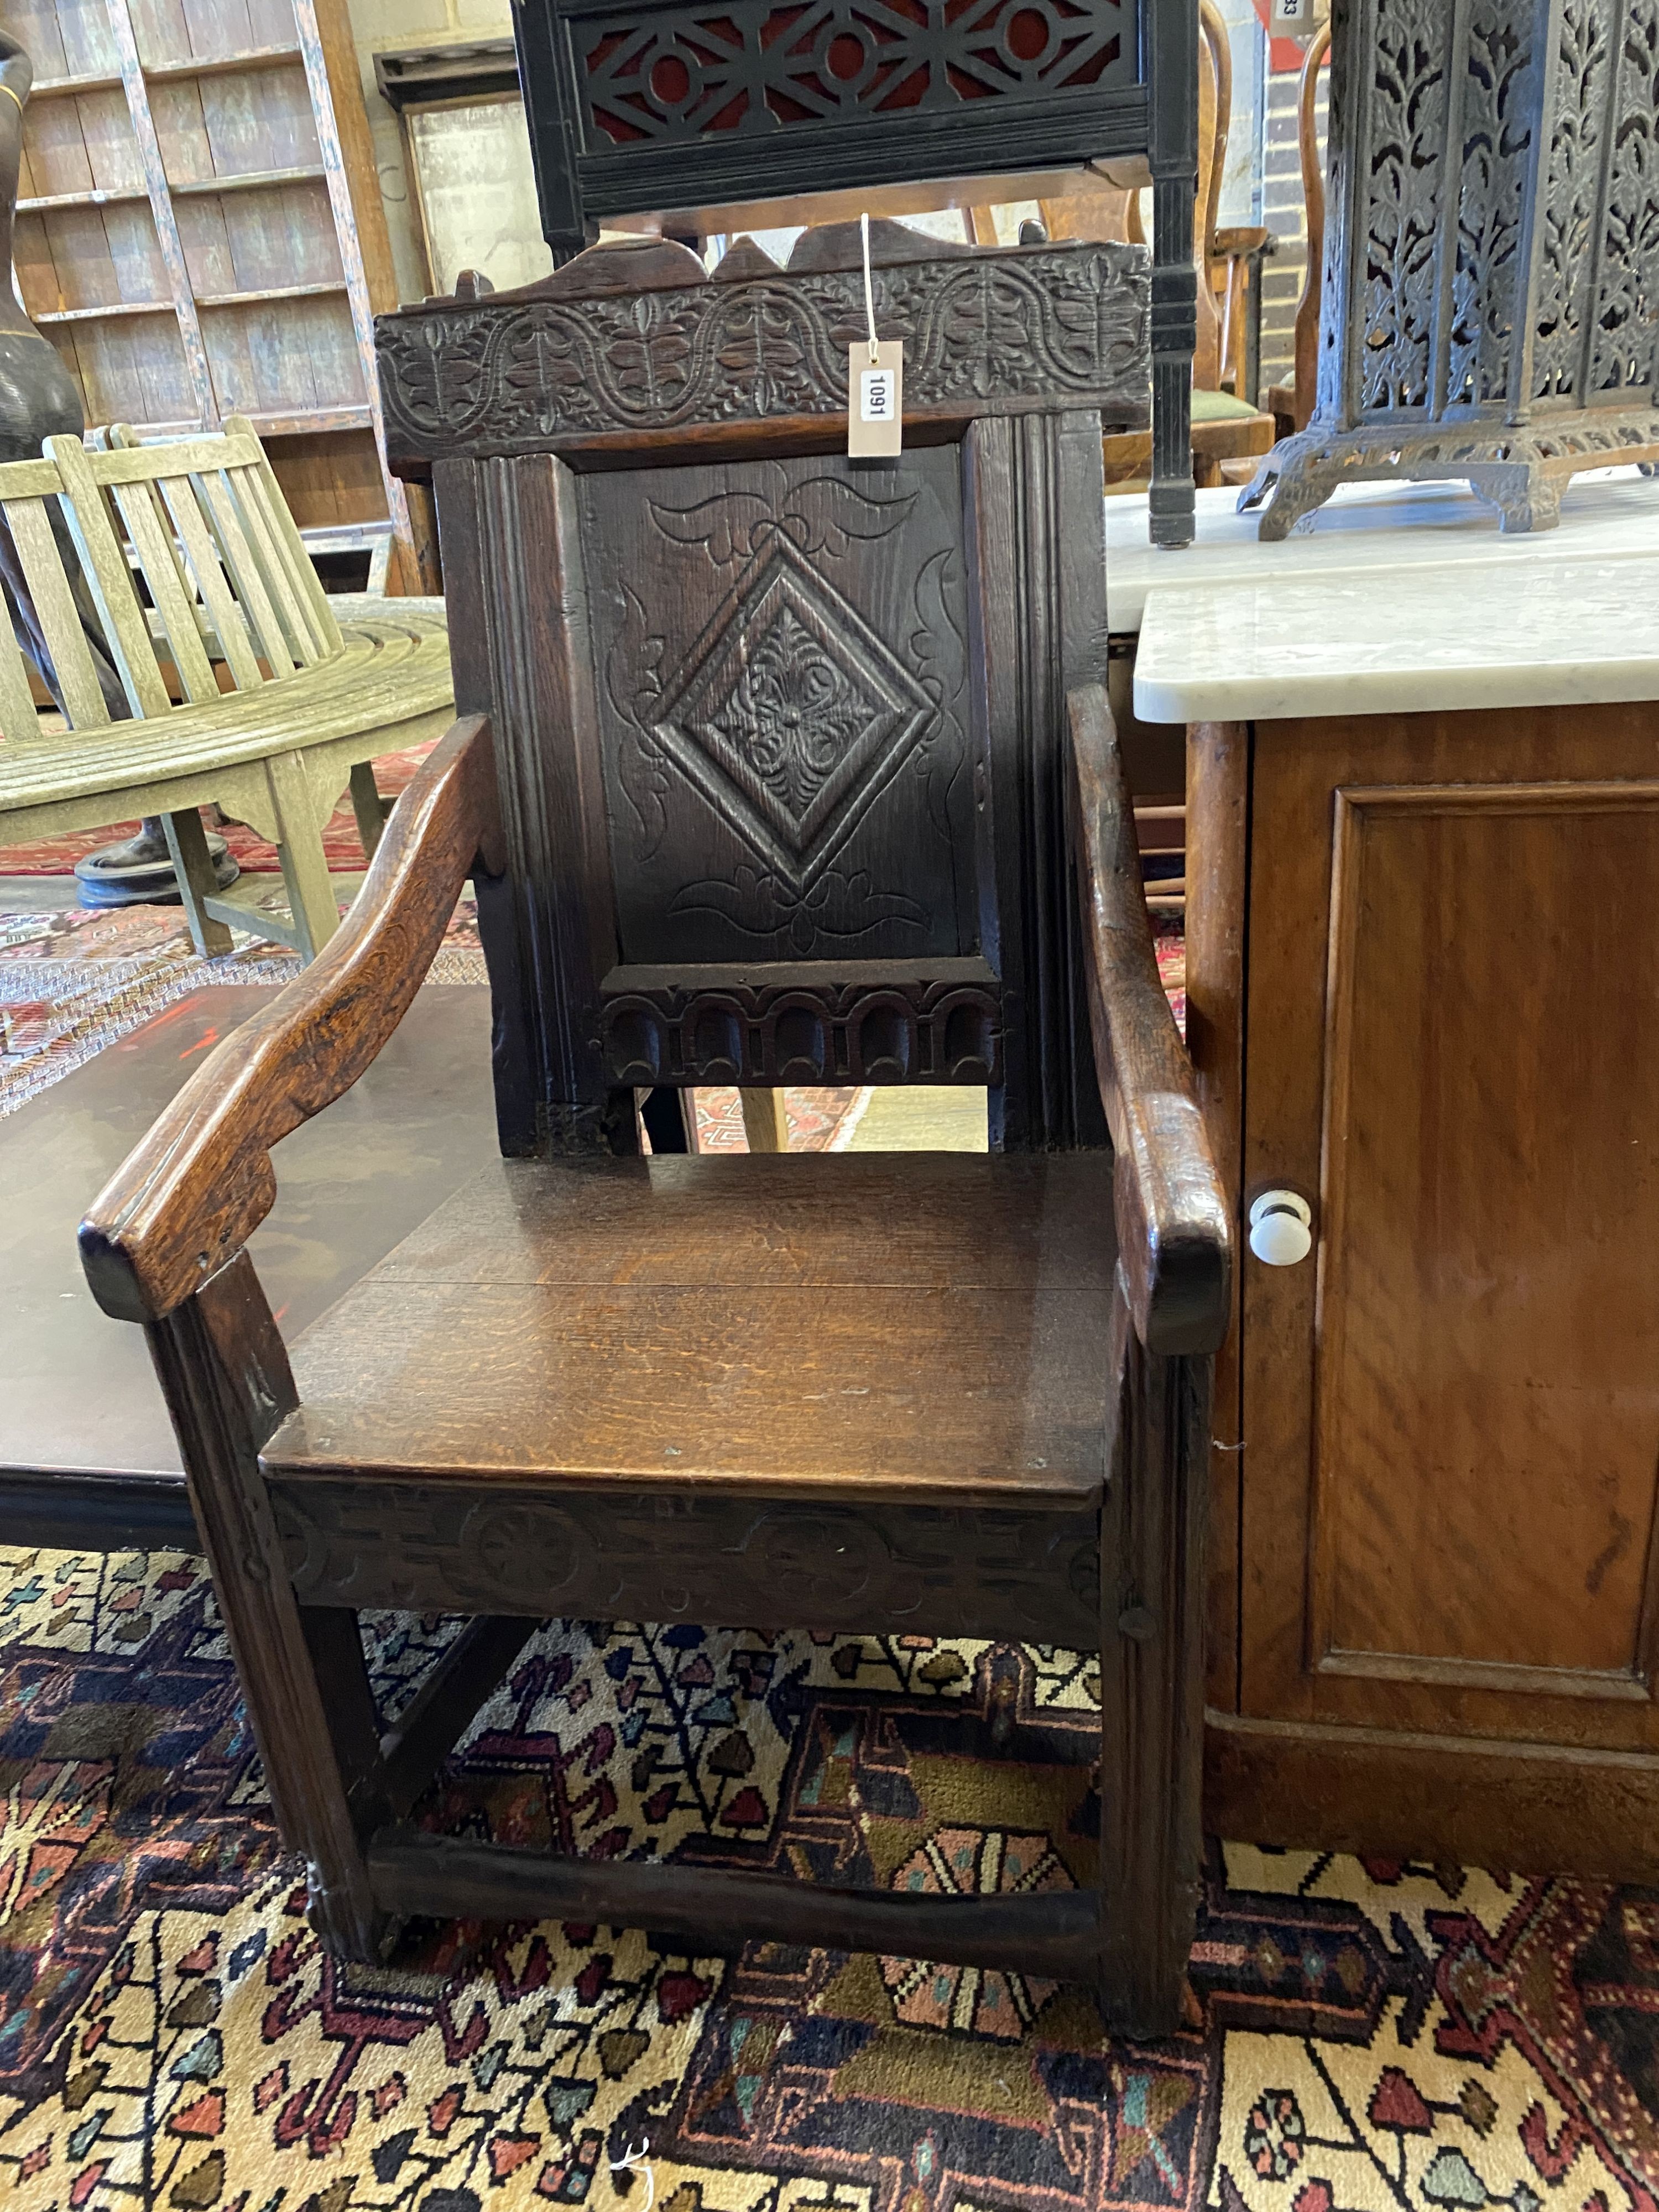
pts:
pixel 1309 305
pixel 24 491
pixel 25 486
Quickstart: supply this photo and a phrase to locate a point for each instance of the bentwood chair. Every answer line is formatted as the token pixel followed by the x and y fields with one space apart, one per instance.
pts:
pixel 774 767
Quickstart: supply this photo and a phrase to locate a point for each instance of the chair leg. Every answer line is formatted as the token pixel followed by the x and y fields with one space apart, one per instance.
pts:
pixel 368 806
pixel 1153 1533
pixel 227 1383
pixel 300 848
pixel 765 1124
pixel 197 882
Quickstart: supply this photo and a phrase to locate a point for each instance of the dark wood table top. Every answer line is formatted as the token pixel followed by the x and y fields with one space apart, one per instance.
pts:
pixel 86 1455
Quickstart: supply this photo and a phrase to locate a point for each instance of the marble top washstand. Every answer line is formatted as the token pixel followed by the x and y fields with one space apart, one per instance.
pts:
pixel 1398 599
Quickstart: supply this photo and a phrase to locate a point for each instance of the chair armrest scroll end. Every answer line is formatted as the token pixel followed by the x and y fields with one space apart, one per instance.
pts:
pixel 1174 1238
pixel 187 1199
pixel 110 1274
pixel 130 1254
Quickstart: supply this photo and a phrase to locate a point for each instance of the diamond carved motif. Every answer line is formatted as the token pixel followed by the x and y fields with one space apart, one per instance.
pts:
pixel 791 715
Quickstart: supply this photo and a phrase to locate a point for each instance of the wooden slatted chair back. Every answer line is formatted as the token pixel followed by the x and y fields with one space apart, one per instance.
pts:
pixel 237 602
pixel 212 536
pixel 28 490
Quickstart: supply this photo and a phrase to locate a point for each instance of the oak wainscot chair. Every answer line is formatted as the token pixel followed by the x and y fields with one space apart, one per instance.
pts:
pixel 773 768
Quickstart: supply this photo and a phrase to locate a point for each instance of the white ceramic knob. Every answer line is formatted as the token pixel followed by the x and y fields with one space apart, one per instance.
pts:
pixel 1281 1227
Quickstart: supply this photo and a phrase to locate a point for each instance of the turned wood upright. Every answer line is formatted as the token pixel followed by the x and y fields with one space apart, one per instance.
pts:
pixel 779 766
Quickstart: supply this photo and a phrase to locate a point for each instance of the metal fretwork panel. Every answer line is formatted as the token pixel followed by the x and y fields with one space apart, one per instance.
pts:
pixel 1491 307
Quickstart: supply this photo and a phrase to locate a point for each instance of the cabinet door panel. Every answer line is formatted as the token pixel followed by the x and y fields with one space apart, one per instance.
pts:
pixel 1452 1418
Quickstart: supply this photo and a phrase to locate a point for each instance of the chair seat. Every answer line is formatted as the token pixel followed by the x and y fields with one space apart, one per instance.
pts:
pixel 392 668
pixel 1221 407
pixel 923 1326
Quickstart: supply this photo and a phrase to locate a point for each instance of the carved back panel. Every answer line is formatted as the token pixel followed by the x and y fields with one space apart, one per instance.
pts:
pixel 788 639
pixel 780 737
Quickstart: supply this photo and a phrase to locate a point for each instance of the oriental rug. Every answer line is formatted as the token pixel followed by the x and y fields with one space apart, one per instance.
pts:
pixel 1375 2037
pixel 73 982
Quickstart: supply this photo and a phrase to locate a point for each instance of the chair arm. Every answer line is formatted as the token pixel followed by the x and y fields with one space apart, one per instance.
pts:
pixel 1244 238
pixel 1174 1236
pixel 189 1196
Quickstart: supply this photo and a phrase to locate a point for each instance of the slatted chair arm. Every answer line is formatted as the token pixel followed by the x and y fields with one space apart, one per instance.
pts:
pixel 185 1201
pixel 1172 1217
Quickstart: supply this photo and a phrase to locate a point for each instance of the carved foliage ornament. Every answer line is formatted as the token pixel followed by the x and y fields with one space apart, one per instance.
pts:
pixel 1048 327
pixel 1464 158
pixel 791 713
pixel 1491 277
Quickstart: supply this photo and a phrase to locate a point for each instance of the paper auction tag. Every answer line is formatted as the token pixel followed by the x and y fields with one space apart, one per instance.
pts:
pixel 875 398
pixel 1291 14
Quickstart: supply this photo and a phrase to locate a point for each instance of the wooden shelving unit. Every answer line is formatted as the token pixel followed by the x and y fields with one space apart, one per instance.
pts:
pixel 200 232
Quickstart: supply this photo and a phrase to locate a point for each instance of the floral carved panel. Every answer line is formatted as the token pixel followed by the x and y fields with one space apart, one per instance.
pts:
pixel 782 650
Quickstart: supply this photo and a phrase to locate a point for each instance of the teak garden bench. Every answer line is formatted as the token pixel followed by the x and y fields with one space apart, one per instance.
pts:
pixel 282 705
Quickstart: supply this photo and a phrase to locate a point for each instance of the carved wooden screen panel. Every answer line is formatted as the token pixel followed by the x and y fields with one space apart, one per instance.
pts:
pixel 642 105
pixel 782 709
pixel 1495 197
pixel 781 663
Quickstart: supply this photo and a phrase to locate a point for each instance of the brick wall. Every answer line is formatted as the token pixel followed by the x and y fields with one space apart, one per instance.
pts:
pixel 1285 216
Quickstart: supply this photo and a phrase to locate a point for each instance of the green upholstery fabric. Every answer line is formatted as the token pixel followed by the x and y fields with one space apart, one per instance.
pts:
pixel 1220 407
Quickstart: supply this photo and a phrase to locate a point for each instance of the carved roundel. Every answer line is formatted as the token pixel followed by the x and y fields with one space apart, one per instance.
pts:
pixel 306 1546
pixel 828 1557
pixel 531 1554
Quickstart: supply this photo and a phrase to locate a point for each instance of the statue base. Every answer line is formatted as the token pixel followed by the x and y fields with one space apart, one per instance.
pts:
pixel 1521 472
pixel 139 871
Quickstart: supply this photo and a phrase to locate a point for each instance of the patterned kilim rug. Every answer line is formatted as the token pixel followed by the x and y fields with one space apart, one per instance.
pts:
pixel 1382 2036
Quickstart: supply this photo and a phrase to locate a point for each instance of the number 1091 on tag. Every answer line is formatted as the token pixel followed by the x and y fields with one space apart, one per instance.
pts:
pixel 875 396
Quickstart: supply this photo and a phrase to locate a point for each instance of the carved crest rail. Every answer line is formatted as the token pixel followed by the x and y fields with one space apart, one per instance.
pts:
pixel 549 368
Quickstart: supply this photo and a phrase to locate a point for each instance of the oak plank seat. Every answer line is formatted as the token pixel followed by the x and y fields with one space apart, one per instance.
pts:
pixel 908 1329
pixel 285 705
pixel 953 1394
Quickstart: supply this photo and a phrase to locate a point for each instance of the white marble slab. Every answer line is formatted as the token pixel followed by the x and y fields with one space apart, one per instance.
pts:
pixel 1606 515
pixel 1566 630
